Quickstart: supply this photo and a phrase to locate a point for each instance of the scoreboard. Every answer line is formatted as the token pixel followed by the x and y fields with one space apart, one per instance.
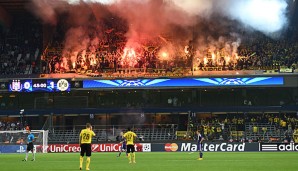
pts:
pixel 65 85
pixel 39 85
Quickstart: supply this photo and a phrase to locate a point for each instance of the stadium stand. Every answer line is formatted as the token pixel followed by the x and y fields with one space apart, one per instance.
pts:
pixel 103 135
pixel 253 128
pixel 22 53
pixel 270 55
pixel 20 47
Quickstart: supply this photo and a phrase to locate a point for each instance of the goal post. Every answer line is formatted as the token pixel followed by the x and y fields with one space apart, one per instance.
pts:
pixel 18 138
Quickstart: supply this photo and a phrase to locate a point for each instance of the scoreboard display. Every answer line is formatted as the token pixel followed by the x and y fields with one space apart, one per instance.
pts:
pixel 39 85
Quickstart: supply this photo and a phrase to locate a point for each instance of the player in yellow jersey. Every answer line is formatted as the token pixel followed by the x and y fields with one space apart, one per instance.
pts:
pixel 85 144
pixel 130 137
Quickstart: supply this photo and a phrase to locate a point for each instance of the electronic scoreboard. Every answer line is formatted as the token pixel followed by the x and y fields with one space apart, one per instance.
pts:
pixel 39 85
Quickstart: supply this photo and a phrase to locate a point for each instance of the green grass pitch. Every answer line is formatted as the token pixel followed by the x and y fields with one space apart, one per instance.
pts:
pixel 157 161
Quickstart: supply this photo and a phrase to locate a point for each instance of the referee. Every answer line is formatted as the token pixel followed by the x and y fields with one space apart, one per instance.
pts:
pixel 85 144
pixel 30 146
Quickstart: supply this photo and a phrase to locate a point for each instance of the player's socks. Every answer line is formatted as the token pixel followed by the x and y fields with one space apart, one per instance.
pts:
pixel 201 154
pixel 26 156
pixel 119 154
pixel 81 162
pixel 87 163
pixel 33 159
pixel 129 157
pixel 133 156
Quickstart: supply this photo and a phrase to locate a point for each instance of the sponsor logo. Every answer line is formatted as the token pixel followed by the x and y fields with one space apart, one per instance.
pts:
pixel 146 147
pixel 279 147
pixel 213 147
pixel 21 150
pixel 60 148
pixel 171 147
pixel 109 147
pixel 269 147
pixel 63 148
pixel 94 147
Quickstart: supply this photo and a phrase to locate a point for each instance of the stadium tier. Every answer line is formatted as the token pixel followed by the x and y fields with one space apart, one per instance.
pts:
pixel 71 136
pixel 31 48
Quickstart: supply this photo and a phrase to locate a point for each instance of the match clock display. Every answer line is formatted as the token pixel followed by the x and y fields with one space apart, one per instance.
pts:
pixel 39 85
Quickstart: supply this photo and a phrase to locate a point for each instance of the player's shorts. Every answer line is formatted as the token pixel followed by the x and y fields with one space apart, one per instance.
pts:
pixel 123 146
pixel 30 146
pixel 200 147
pixel 130 148
pixel 85 148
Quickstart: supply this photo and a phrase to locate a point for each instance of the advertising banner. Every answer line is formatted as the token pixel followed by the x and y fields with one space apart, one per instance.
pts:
pixel 184 82
pixel 18 148
pixel 111 147
pixel 12 148
pixel 208 146
pixel 190 146
pixel 279 147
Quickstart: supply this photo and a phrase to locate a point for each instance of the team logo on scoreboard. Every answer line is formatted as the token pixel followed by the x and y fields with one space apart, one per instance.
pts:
pixel 62 85
pixel 16 85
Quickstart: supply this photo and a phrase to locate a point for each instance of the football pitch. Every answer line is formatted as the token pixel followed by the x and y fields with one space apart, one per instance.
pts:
pixel 156 161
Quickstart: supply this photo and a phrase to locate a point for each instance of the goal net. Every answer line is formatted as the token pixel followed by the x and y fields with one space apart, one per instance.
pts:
pixel 20 138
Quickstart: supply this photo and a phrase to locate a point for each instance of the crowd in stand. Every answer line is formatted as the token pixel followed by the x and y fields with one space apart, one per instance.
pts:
pixel 265 51
pixel 10 126
pixel 20 52
pixel 7 137
pixel 20 47
pixel 233 127
pixel 112 54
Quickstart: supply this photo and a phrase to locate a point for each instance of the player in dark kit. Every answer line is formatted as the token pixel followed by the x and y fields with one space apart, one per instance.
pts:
pixel 200 144
pixel 30 146
pixel 123 144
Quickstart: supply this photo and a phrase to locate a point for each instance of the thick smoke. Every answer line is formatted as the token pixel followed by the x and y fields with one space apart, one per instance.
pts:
pixel 267 16
pixel 263 15
pixel 155 16
pixel 213 24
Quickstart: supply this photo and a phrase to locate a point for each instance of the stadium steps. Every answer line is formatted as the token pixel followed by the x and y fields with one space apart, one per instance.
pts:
pixel 103 135
pixel 272 131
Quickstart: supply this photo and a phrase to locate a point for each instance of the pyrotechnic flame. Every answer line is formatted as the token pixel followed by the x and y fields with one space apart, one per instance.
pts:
pixel 205 61
pixel 164 56
pixel 129 57
pixel 228 58
pixel 213 56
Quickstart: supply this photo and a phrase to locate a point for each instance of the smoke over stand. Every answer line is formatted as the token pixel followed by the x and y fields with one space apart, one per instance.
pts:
pixel 152 28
